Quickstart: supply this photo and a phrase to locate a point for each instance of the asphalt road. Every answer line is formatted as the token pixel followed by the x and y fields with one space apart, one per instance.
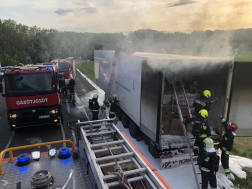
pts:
pixel 33 135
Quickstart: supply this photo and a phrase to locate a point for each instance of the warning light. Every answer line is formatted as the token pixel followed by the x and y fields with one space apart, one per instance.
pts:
pixel 52 152
pixel 48 68
pixel 64 152
pixel 23 159
pixel 35 155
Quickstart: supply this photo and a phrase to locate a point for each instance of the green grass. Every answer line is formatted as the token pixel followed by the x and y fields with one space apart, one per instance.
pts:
pixel 89 72
pixel 242 147
pixel 244 183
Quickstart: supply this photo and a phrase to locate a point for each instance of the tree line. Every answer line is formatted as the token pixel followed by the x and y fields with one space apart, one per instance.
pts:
pixel 18 41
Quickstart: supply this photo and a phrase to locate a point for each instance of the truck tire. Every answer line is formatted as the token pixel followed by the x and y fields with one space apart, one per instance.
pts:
pixel 125 120
pixel 133 129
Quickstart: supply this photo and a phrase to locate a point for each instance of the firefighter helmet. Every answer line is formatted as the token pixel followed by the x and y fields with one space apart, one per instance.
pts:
pixel 206 93
pixel 95 96
pixel 208 143
pixel 233 127
pixel 203 113
pixel 115 96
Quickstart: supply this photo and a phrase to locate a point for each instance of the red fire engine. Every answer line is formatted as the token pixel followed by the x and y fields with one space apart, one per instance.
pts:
pixel 67 68
pixel 31 94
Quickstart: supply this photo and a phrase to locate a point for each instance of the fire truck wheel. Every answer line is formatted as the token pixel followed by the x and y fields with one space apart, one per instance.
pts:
pixel 125 120
pixel 133 129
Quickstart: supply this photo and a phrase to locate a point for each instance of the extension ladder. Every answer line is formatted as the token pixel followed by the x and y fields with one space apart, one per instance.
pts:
pixel 180 98
pixel 110 156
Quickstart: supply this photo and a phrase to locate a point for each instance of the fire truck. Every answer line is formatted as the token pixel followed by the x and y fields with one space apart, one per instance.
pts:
pixel 67 68
pixel 31 95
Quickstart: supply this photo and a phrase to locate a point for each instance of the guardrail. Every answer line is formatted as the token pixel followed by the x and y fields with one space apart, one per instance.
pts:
pixel 29 146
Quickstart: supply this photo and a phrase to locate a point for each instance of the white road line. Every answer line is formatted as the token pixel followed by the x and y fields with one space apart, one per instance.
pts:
pixel 68 109
pixel 9 142
pixel 86 114
pixel 63 134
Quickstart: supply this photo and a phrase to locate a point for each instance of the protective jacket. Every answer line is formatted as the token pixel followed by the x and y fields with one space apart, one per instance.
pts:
pixel 113 106
pixel 96 105
pixel 227 139
pixel 201 103
pixel 72 84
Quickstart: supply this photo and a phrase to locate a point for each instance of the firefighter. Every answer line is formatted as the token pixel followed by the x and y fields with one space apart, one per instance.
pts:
pixel 226 144
pixel 95 107
pixel 209 164
pixel 200 131
pixel 202 102
pixel 113 106
pixel 62 85
pixel 71 89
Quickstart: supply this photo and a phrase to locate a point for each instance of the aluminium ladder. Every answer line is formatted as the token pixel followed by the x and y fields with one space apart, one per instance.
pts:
pixel 179 97
pixel 105 149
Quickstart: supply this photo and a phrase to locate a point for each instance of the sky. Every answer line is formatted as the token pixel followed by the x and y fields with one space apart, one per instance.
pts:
pixel 129 15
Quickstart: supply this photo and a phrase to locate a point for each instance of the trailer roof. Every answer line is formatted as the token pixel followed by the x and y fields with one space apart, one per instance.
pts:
pixel 174 56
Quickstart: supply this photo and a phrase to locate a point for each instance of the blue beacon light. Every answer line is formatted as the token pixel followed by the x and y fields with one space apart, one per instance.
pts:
pixel 23 159
pixel 64 152
pixel 48 68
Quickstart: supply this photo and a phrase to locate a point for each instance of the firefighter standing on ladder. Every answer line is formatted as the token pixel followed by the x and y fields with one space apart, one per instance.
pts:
pixel 226 144
pixel 200 131
pixel 113 106
pixel 202 102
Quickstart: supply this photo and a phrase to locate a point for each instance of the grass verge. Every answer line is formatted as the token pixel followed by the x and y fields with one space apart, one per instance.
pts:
pixel 244 183
pixel 88 71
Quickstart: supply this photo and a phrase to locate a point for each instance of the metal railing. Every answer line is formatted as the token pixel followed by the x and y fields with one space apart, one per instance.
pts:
pixel 10 150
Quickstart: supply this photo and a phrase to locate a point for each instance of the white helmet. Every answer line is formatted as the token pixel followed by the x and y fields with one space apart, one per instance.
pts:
pixel 95 96
pixel 115 96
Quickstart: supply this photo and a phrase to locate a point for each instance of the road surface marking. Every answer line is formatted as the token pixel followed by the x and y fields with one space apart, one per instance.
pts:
pixel 63 134
pixel 5 182
pixel 86 114
pixel 68 109
pixel 9 142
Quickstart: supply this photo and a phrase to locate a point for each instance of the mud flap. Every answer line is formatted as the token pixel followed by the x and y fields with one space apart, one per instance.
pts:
pixel 152 149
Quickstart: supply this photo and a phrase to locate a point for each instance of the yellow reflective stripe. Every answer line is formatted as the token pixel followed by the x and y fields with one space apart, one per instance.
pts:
pixel 205 169
pixel 196 147
pixel 227 170
pixel 204 127
pixel 112 112
pixel 203 136
pixel 224 149
pixel 207 159
pixel 225 138
pixel 227 152
pixel 223 120
pixel 95 110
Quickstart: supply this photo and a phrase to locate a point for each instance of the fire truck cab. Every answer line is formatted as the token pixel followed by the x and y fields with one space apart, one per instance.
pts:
pixel 67 68
pixel 31 95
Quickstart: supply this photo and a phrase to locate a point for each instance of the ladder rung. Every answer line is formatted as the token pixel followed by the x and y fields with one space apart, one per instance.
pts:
pixel 181 100
pixel 107 143
pixel 106 149
pixel 185 115
pixel 190 130
pixel 100 133
pixel 114 156
pixel 135 179
pixel 178 86
pixel 132 172
pixel 199 173
pixel 179 93
pixel 96 125
pixel 183 107
pixel 114 163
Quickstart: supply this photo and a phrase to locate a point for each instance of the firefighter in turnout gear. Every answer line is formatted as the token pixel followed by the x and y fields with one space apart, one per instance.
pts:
pixel 113 106
pixel 202 102
pixel 62 85
pixel 208 162
pixel 226 144
pixel 71 89
pixel 95 107
pixel 200 131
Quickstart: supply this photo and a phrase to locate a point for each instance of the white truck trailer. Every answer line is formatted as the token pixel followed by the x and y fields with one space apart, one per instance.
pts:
pixel 143 82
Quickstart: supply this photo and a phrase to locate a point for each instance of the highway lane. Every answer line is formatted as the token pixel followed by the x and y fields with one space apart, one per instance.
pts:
pixel 39 134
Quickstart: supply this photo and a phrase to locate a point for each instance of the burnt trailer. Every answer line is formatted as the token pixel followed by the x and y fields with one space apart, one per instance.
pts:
pixel 143 82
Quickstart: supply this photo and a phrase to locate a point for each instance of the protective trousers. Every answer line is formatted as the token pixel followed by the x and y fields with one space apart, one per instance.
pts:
pixel 198 146
pixel 208 177
pixel 95 115
pixel 225 162
pixel 64 90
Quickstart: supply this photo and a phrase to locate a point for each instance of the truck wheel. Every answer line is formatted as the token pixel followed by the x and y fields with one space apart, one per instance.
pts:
pixel 133 129
pixel 125 120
